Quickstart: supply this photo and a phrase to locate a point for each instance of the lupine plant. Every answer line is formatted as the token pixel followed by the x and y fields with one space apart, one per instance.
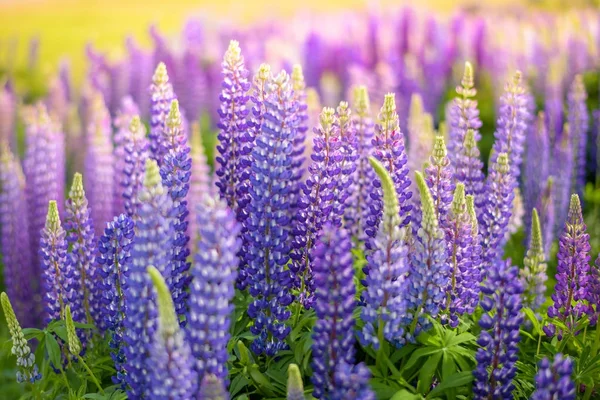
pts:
pixel 257 245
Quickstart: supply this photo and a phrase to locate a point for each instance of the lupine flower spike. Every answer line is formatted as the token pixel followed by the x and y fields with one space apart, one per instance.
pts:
pixel 429 272
pixel 387 263
pixel 173 375
pixel 295 387
pixel 214 271
pixel 351 382
pixel 200 180
pixel 128 110
pixel 499 338
pixel 72 339
pixel 533 273
pixel 578 118
pixel 333 341
pixel 438 177
pixel 268 221
pixel 162 95
pixel 572 273
pixel 553 380
pixel 136 153
pixel 27 370
pixel 212 388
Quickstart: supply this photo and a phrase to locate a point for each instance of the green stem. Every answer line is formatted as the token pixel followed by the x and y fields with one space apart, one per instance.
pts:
pixel 89 371
pixel 539 344
pixel 379 360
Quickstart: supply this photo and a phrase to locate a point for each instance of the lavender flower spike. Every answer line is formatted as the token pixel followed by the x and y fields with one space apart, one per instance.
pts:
pixel 420 133
pixel 153 238
pixel 136 154
pixel 27 370
pixel 534 272
pixel 214 271
pixel 235 139
pixel 127 112
pixel 200 181
pixel 429 273
pixel 563 156
pixel 268 223
pixel 175 171
pixel 212 388
pixel 80 283
pixel 471 171
pixel 333 341
pixel 572 273
pixel 578 118
pixel 114 248
pixel 162 95
pixel 351 382
pixel 301 124
pixel 463 253
pixel 53 255
pixel 173 375
pixel 553 381
pixel 498 354
pixel 439 180
pixel 387 264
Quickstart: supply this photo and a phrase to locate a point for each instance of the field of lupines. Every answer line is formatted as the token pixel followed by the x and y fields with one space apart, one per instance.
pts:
pixel 191 223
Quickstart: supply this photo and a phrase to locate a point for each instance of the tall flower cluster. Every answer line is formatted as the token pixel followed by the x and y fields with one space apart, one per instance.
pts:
pixel 153 237
pixel 99 164
pixel 429 271
pixel 512 125
pixel 387 264
pixel 534 272
pixel 82 283
pixel 579 121
pixel 572 273
pixel 128 110
pixel 464 253
pixel 161 92
pixel 175 171
pixel 316 201
pixel 136 149
pixel 499 337
pixel 333 341
pixel 357 209
pixel 352 383
pixel 200 180
pixel 15 243
pixel 301 125
pixel 497 210
pixel 348 162
pixel 553 379
pixel 438 177
pixel 563 167
pixel 420 133
pixel 114 256
pixel 27 371
pixel 55 271
pixel 235 139
pixel 471 173
pixel 390 150
pixel 214 273
pixel 268 220
pixel 173 375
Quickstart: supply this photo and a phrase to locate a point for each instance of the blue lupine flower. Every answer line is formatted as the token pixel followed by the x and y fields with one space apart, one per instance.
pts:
pixel 136 153
pixel 553 380
pixel 162 95
pixel 579 121
pixel 128 110
pixel 351 382
pixel 438 177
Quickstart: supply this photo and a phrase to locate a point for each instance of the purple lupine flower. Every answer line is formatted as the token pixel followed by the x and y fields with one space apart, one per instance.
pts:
pixel 497 210
pixel 194 85
pixel 212 388
pixel 357 209
pixel 268 223
pixel 42 174
pixel 471 172
pixel 7 116
pixel 594 292
pixel 141 75
pixel 463 252
pixel 119 73
pixel 553 100
pixel 536 171
pixel 18 271
pixel 351 382
pixel 214 273
pixel 438 177
pixel 533 274
pixel 553 380
pixel 429 270
pixel 562 171
pixel 548 214
pixel 235 139
pixel 387 266
pixel 99 165
pixel 175 171
pixel 420 134
pixel 200 180
pixel 114 257
pixel 389 149
pixel 83 290
pixel 172 374
pixel 136 148
pixel 512 124
pixel 153 238
pixel 463 115
pixel 572 273
pixel 301 126
pixel 499 337
pixel 162 95
pixel 315 203
pixel 579 121
pixel 333 341
pixel 53 256
pixel 127 111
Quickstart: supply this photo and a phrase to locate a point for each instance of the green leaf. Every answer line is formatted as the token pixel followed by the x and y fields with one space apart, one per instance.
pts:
pixel 262 383
pixel 414 358
pixel 459 379
pixel 460 339
pixel 237 384
pixel 533 318
pixel 53 350
pixel 31 333
pixel 404 394
pixel 427 373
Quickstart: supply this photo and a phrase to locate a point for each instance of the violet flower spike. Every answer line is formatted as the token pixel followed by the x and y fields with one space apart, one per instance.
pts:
pixel 438 177
pixel 136 153
pixel 200 181
pixel 127 112
pixel 162 95
pixel 553 380
pixel 301 125
pixel 579 121
pixel 563 167
pixel 351 382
